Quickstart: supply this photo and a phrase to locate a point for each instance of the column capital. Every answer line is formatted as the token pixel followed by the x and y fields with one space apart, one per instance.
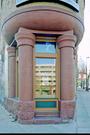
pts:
pixel 66 41
pixel 11 51
pixel 24 37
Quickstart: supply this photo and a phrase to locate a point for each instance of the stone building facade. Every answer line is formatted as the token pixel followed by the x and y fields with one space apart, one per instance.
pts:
pixel 41 37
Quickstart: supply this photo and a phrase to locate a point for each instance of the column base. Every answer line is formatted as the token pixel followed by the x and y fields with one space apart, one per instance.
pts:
pixel 67 109
pixel 26 112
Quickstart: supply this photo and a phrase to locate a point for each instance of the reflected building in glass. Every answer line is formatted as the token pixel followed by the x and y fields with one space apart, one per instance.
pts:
pixel 45 79
pixel 41 39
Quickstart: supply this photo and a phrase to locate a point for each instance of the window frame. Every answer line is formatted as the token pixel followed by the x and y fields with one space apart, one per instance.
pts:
pixel 47 55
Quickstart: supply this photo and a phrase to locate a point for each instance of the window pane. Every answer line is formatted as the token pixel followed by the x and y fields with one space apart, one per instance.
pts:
pixel 45 76
pixel 45 47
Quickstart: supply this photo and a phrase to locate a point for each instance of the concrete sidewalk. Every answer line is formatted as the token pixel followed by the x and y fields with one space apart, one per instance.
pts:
pixel 81 123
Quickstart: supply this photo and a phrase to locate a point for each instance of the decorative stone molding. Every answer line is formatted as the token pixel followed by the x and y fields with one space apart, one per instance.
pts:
pixel 25 37
pixel 68 39
pixel 11 51
pixel 34 17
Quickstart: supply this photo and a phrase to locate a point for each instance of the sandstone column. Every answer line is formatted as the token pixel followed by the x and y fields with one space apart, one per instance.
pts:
pixel 66 44
pixel 11 72
pixel 25 40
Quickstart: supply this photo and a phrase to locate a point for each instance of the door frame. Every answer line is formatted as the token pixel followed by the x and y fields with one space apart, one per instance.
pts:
pixel 44 55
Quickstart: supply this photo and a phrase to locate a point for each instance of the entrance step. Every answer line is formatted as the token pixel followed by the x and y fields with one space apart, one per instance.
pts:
pixel 46 114
pixel 47 120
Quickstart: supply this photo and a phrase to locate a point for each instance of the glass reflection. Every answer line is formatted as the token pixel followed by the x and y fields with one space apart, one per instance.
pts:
pixel 45 47
pixel 45 76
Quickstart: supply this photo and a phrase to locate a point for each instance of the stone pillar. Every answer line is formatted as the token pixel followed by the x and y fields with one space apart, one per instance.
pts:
pixel 25 41
pixel 66 44
pixel 11 72
pixel 76 64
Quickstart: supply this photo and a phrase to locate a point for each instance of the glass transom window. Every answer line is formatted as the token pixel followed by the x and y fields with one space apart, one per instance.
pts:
pixel 45 47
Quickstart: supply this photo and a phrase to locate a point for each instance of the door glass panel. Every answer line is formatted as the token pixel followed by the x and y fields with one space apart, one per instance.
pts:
pixel 45 77
pixel 45 47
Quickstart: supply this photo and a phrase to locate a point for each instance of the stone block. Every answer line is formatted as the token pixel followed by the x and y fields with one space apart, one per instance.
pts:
pixel 67 109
